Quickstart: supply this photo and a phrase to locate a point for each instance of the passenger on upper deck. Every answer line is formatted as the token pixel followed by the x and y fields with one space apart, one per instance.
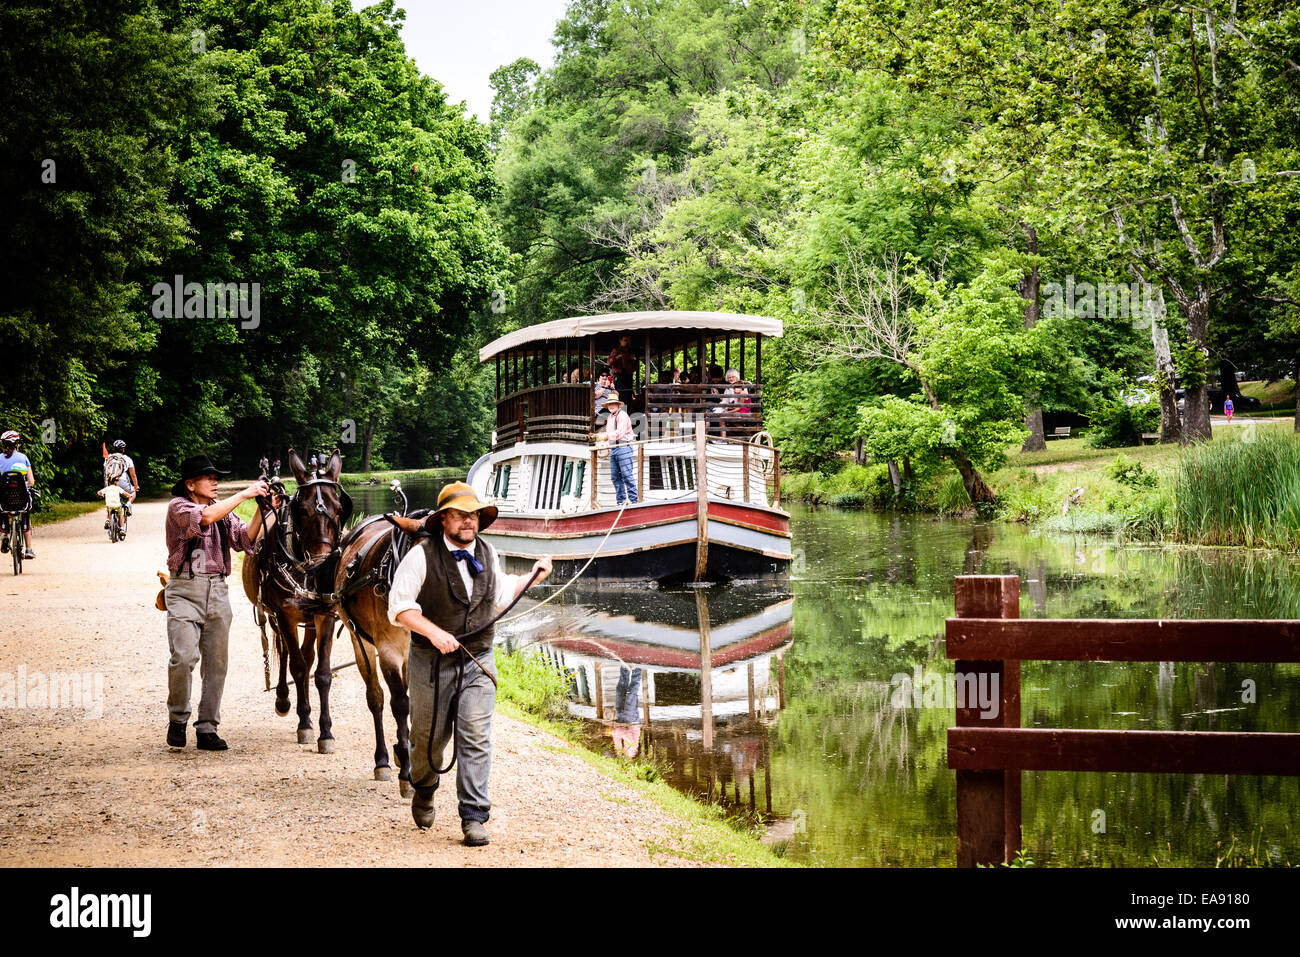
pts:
pixel 602 389
pixel 623 364
pixel 735 398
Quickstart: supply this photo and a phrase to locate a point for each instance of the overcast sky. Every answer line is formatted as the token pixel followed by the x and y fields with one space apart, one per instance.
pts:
pixel 460 42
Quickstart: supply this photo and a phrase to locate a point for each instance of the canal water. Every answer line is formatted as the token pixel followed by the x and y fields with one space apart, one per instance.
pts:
pixel 806 735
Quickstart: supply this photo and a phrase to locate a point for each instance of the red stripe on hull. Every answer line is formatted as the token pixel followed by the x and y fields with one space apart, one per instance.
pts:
pixel 765 519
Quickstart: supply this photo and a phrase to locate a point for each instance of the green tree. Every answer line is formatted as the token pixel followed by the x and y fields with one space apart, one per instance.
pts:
pixel 91 100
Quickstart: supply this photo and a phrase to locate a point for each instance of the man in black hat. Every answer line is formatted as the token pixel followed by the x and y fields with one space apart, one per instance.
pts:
pixel 200 533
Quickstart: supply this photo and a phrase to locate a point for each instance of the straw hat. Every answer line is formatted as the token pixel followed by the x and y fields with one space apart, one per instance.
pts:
pixel 461 497
pixel 612 399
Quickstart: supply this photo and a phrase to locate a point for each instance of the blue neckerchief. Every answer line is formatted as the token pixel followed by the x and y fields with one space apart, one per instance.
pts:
pixel 473 563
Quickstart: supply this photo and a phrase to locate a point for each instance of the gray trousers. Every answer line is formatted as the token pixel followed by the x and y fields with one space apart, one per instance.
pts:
pixel 198 629
pixel 473 746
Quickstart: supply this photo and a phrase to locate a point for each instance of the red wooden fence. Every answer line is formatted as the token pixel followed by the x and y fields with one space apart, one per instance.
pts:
pixel 987 637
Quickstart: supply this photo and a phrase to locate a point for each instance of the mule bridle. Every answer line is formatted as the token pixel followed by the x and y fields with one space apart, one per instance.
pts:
pixel 285 565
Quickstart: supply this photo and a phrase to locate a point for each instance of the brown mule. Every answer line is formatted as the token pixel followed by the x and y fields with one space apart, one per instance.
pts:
pixel 380 647
pixel 294 563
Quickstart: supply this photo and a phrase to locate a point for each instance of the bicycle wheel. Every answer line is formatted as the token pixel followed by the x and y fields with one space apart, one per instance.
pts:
pixel 114 527
pixel 16 541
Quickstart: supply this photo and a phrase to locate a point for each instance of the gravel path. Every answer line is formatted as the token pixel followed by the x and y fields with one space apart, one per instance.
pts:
pixel 81 789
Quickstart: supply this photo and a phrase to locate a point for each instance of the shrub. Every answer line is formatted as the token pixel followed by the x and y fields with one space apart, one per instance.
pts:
pixel 950 495
pixel 1117 423
pixel 1128 472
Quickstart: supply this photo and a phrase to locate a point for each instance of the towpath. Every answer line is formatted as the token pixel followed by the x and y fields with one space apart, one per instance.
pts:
pixel 81 787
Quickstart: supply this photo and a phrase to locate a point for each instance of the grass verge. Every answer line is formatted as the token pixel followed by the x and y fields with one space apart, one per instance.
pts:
pixel 60 511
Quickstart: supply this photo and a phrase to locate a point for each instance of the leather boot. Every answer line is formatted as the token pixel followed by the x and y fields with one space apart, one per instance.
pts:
pixel 422 807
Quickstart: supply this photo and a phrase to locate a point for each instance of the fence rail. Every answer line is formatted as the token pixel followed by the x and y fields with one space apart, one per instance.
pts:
pixel 988 751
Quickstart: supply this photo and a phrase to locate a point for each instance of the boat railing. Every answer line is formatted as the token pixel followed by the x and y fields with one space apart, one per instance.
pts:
pixel 741 470
pixel 566 412
pixel 555 412
pixel 734 414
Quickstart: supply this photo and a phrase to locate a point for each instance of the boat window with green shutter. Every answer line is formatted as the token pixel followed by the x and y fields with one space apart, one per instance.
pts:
pixel 567 484
pixel 577 485
pixel 501 485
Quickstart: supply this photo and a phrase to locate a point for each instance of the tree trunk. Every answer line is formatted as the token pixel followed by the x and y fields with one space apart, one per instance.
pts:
pixel 907 468
pixel 1196 400
pixel 976 487
pixel 1171 428
pixel 895 478
pixel 859 457
pixel 1037 441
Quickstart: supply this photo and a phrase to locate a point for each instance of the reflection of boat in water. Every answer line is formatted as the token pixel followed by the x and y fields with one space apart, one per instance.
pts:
pixel 738 645
pixel 712 680
pixel 706 475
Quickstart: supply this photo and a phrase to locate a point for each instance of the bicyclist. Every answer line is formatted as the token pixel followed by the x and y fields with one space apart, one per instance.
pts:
pixel 112 496
pixel 11 460
pixel 120 469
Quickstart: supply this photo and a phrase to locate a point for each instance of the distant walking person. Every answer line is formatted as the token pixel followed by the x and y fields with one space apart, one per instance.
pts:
pixel 1227 408
pixel 263 467
pixel 201 531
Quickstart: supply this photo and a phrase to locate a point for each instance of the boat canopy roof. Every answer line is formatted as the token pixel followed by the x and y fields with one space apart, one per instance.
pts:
pixel 580 327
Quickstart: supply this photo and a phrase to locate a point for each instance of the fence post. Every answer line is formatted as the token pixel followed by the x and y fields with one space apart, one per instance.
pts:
pixel 776 478
pixel 640 473
pixel 988 802
pixel 744 467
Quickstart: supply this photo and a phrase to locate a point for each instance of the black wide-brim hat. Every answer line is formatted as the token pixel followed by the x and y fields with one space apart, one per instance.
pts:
pixel 193 467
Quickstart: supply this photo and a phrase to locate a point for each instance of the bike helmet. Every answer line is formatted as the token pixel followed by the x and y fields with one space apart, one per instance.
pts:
pixel 10 438
pixel 119 446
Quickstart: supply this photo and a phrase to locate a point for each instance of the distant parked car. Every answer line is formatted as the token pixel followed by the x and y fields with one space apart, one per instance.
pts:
pixel 1136 396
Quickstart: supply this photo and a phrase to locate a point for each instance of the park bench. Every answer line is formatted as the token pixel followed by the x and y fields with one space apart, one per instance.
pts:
pixel 988 751
pixel 1150 438
pixel 1061 432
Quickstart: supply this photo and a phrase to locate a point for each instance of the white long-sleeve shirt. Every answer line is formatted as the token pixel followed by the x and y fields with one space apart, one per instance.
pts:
pixel 409 579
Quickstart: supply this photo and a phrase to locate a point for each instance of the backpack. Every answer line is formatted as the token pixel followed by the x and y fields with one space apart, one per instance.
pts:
pixel 114 466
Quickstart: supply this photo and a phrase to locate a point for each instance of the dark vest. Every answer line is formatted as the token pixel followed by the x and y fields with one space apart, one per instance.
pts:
pixel 443 600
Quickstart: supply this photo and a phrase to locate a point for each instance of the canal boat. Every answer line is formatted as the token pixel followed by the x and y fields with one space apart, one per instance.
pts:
pixel 707 475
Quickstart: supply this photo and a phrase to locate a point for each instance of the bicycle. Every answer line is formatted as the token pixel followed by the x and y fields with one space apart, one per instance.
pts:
pixel 15 503
pixel 115 525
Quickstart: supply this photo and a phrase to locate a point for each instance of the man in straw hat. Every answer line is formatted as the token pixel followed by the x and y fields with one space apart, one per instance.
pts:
pixel 453 584
pixel 200 532
pixel 619 434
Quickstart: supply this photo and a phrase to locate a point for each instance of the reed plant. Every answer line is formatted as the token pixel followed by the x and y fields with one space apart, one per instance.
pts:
pixel 1240 492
